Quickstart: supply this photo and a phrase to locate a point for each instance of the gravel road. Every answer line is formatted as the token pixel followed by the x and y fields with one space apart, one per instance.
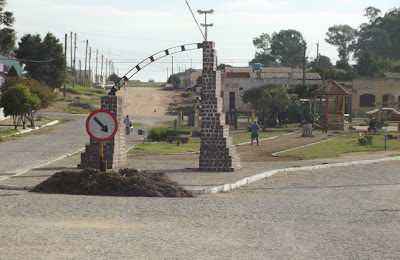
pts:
pixel 345 213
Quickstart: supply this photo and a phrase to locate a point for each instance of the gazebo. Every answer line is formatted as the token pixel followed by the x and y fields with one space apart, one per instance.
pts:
pixel 330 106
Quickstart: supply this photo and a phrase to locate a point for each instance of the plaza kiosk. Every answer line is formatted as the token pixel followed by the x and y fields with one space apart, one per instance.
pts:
pixel 331 101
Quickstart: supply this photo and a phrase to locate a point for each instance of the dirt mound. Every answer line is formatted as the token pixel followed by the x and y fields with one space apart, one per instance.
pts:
pixel 126 183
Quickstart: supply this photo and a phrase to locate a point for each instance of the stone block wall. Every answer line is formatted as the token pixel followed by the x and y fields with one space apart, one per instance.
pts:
pixel 113 149
pixel 216 151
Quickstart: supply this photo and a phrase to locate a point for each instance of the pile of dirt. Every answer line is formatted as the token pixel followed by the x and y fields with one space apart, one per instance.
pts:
pixel 126 183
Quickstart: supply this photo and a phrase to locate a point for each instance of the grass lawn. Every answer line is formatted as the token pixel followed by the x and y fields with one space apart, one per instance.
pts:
pixel 239 136
pixel 88 91
pixel 342 145
pixel 7 132
pixel 144 84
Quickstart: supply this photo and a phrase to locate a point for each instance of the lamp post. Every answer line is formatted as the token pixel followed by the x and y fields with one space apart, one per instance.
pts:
pixel 205 23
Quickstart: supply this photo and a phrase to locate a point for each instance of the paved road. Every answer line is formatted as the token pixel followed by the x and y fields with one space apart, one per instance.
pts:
pixel 37 147
pixel 339 213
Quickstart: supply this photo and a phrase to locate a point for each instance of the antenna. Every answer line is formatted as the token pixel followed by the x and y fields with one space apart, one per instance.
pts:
pixel 195 20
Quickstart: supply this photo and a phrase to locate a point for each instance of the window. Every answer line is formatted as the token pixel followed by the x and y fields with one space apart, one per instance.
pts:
pixel 367 100
pixel 386 99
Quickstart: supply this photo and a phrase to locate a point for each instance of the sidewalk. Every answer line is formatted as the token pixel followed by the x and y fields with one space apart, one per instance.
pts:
pixel 8 123
pixel 184 170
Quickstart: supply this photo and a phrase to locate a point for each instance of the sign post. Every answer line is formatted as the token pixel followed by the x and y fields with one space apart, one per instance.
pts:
pixel 102 125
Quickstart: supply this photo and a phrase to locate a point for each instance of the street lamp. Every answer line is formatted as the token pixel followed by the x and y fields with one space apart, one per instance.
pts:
pixel 205 23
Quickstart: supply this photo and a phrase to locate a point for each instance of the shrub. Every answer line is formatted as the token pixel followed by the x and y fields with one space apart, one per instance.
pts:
pixel 158 133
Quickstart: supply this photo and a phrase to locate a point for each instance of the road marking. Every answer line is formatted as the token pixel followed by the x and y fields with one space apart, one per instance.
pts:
pixel 40 166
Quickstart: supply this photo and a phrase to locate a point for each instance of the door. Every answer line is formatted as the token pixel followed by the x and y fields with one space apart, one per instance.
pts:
pixel 232 100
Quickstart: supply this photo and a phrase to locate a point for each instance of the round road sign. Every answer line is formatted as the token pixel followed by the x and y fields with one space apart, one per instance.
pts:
pixel 101 125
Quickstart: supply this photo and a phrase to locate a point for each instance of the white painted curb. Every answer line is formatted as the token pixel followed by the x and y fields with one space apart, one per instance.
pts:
pixel 257 177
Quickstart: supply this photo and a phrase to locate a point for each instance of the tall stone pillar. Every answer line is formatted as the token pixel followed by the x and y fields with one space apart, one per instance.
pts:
pixel 216 151
pixel 113 149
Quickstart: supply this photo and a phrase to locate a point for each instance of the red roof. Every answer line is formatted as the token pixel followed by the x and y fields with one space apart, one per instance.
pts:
pixel 332 88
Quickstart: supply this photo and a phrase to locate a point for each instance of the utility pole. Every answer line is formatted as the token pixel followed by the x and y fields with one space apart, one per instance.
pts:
pixel 97 56
pixel 101 70
pixel 71 52
pixel 105 74
pixel 84 79
pixel 172 73
pixel 90 60
pixel 80 72
pixel 304 64
pixel 73 82
pixel 317 60
pixel 66 67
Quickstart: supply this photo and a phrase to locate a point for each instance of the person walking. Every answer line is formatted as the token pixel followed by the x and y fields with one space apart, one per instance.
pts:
pixel 254 132
pixel 128 124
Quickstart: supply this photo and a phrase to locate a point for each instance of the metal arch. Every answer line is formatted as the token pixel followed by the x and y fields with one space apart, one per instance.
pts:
pixel 161 54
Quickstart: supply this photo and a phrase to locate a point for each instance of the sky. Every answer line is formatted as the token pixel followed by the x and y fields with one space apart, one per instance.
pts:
pixel 129 31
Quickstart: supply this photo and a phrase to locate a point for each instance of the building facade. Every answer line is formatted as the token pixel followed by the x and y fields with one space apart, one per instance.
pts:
pixel 237 80
pixel 371 93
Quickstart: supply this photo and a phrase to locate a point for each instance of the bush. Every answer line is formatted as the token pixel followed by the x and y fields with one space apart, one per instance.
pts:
pixel 158 133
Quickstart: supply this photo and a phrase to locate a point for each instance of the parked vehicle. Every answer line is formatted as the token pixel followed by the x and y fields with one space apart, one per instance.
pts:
pixel 109 84
pixel 168 87
pixel 99 85
pixel 194 88
pixel 390 113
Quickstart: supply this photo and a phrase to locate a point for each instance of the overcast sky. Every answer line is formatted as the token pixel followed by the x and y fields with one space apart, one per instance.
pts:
pixel 128 31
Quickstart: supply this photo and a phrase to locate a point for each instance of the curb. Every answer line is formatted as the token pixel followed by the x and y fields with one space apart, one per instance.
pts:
pixel 24 131
pixel 257 177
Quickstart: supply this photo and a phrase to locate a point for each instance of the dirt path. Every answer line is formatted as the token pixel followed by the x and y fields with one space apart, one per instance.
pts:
pixel 147 101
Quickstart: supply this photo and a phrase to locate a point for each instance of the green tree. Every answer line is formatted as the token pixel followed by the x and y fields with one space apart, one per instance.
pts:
pixel 176 80
pixel 270 100
pixel 46 96
pixel 263 53
pixel 17 101
pixel 49 52
pixel 365 63
pixel 12 72
pixel 343 37
pixel 114 77
pixel 199 80
pixel 376 40
pixel 371 13
pixel 287 47
pixel 7 35
pixel 322 61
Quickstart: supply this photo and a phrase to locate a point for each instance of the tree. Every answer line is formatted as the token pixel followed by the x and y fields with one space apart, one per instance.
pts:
pixel 270 100
pixel 12 73
pixel 263 53
pixel 199 80
pixel 17 101
pixel 365 63
pixel 287 47
pixel 322 61
pixel 176 80
pixel 49 52
pixel 7 35
pixel 342 36
pixel 376 40
pixel 371 13
pixel 114 77
pixel 45 95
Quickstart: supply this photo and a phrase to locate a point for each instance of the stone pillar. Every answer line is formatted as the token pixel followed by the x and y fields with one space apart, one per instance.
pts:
pixel 114 149
pixel 216 151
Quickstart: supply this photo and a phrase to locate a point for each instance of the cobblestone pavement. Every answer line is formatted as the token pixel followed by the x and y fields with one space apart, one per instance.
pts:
pixel 345 213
